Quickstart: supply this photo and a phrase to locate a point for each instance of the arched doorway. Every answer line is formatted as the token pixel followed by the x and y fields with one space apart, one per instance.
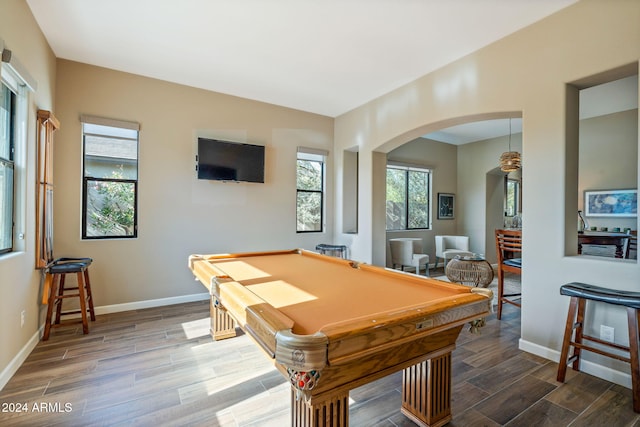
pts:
pixel 476 214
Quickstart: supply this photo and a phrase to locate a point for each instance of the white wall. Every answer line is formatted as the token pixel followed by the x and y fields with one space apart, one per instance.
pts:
pixel 526 72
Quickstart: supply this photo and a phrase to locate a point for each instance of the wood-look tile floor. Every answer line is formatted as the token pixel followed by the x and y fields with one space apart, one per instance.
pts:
pixel 159 367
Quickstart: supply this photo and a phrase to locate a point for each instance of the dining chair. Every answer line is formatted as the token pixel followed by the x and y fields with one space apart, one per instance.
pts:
pixel 509 254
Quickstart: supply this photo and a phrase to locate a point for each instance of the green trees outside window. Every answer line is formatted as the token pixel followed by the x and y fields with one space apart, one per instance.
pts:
pixel 110 182
pixel 408 198
pixel 513 188
pixel 309 197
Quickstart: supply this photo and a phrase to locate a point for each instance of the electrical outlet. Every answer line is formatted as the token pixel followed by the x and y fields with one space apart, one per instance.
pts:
pixel 606 333
pixel 22 316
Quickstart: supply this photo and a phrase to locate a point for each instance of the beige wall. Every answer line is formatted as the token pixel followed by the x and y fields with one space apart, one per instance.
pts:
pixel 179 214
pixel 19 280
pixel 526 74
pixel 477 162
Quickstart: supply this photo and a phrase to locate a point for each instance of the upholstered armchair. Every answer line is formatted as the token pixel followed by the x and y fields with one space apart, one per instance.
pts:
pixel 447 247
pixel 407 252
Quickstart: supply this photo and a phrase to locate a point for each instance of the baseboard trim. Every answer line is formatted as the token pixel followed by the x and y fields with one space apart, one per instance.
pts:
pixel 19 359
pixel 24 352
pixel 138 305
pixel 591 368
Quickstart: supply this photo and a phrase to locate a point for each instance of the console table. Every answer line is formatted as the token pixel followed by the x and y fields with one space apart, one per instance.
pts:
pixel 603 238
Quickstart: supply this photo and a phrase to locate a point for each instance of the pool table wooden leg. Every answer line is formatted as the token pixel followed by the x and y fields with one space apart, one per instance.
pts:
pixel 222 324
pixel 426 391
pixel 331 412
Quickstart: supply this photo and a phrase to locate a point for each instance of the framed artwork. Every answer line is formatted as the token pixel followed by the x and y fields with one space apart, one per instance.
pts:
pixel 446 206
pixel 611 203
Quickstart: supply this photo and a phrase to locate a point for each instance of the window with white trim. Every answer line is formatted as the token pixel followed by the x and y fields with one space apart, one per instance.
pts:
pixel 513 197
pixel 15 83
pixel 110 178
pixel 310 185
pixel 7 149
pixel 408 198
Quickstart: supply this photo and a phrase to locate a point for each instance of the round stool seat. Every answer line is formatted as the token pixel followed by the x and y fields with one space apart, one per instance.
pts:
pixel 68 267
pixel 470 271
pixel 597 293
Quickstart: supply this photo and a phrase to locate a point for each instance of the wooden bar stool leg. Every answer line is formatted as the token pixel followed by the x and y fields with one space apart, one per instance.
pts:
pixel 500 292
pixel 83 302
pixel 566 342
pixel 582 303
pixel 633 316
pixel 51 301
pixel 89 296
pixel 58 301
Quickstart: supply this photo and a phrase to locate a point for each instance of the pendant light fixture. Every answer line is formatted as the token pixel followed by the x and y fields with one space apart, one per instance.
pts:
pixel 510 160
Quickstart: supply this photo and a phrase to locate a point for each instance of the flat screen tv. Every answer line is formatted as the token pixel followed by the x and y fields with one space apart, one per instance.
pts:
pixel 229 161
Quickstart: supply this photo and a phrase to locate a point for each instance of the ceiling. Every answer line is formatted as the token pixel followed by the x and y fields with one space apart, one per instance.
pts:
pixel 476 131
pixel 325 57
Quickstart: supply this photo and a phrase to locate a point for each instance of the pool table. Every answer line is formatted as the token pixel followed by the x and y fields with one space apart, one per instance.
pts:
pixel 333 324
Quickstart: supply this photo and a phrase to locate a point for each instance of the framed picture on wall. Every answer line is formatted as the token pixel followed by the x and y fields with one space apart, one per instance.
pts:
pixel 446 206
pixel 611 203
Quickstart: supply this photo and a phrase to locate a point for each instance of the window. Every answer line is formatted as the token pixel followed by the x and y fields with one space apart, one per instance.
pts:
pixel 310 190
pixel 513 195
pixel 7 151
pixel 110 181
pixel 15 85
pixel 408 198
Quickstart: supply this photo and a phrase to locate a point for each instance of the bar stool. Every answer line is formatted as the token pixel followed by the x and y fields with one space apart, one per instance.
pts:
pixel 54 291
pixel 327 249
pixel 580 293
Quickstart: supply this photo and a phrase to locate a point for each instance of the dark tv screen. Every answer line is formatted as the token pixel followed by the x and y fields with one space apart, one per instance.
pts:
pixel 230 161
